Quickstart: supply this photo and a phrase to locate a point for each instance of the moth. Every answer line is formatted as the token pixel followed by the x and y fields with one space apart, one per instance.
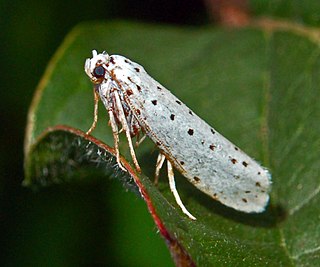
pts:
pixel 136 103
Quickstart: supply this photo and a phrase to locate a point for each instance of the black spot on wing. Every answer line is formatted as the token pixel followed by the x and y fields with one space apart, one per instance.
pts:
pixel 196 179
pixel 212 147
pixel 234 161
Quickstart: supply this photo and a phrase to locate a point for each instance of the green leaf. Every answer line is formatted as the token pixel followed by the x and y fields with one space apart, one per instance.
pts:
pixel 258 86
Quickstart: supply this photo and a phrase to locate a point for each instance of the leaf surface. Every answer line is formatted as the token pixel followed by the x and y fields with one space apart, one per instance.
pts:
pixel 258 86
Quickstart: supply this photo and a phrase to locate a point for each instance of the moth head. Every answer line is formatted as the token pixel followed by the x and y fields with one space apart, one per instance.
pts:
pixel 95 67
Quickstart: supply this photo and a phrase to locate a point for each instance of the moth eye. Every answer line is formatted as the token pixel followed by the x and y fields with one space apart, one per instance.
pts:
pixel 99 72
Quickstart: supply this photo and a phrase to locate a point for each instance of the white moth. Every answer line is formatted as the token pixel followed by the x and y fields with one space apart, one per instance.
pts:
pixel 136 102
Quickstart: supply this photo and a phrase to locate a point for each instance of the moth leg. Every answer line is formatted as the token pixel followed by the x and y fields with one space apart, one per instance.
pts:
pixel 136 130
pixel 95 116
pixel 115 131
pixel 139 141
pixel 160 161
pixel 115 134
pixel 126 129
pixel 175 192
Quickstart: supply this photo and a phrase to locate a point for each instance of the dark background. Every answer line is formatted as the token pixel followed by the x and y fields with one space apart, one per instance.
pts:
pixel 68 225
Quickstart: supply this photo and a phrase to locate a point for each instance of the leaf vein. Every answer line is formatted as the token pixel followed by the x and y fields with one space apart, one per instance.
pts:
pixel 306 252
pixel 305 201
